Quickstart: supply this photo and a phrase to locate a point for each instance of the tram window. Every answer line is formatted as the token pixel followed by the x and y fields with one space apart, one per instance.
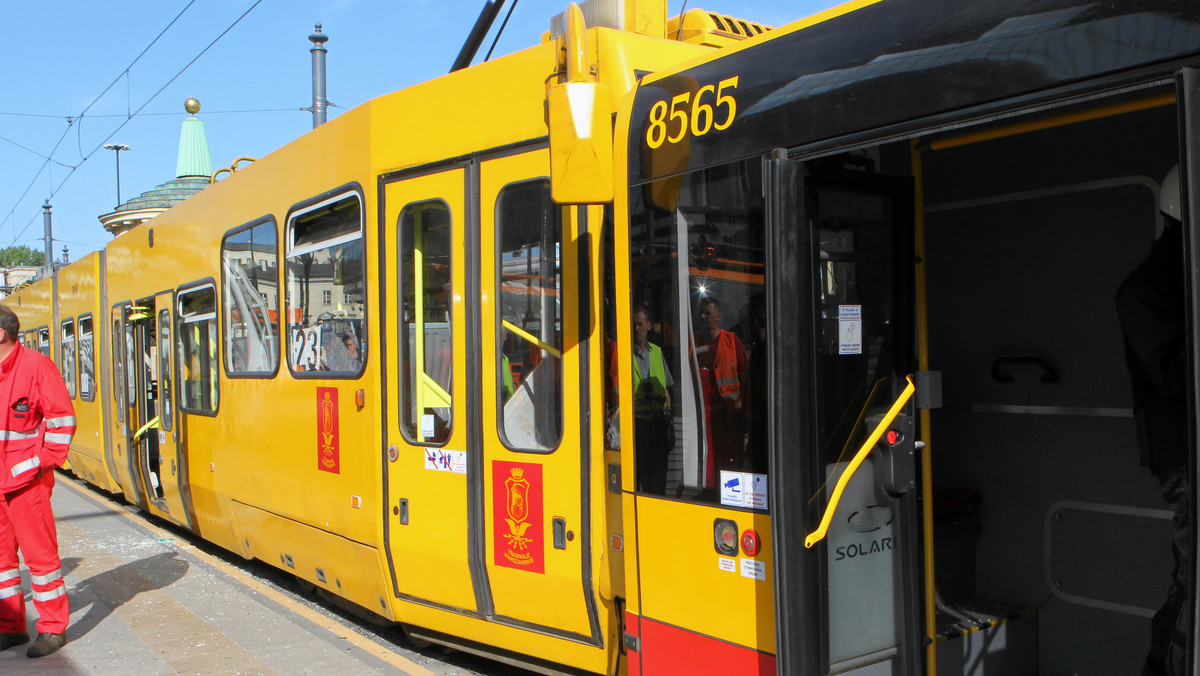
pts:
pixel 131 361
pixel 196 350
pixel 250 265
pixel 118 366
pixel 426 346
pixel 164 370
pixel 43 340
pixel 325 253
pixel 67 355
pixel 529 368
pixel 87 360
pixel 612 435
pixel 698 254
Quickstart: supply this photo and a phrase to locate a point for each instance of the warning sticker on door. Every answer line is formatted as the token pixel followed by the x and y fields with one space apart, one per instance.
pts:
pixel 754 569
pixel 726 564
pixel 743 489
pixel 446 460
pixel 849 329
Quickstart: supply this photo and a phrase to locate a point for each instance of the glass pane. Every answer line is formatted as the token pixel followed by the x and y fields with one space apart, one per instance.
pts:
pixel 131 364
pixel 858 340
pixel 43 337
pixel 250 260
pixel 700 360
pixel 529 235
pixel 426 322
pixel 87 363
pixel 118 364
pixel 68 356
pixel 197 350
pixel 326 291
pixel 164 369
pixel 612 402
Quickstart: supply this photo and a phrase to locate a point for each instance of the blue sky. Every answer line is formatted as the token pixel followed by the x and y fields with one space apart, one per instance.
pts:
pixel 252 84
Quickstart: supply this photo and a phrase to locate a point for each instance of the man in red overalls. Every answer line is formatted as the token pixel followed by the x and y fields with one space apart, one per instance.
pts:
pixel 722 362
pixel 31 393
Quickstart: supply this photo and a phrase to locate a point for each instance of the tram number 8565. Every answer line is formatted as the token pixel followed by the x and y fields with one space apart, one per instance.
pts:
pixel 697 114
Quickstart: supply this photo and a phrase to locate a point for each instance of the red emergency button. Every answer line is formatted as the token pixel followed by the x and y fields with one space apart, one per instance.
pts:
pixel 750 542
pixel 894 437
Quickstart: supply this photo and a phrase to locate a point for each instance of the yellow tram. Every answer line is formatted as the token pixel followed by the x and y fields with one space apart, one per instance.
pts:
pixel 393 358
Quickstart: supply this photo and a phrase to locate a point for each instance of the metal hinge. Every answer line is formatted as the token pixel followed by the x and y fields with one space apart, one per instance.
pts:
pixel 633 643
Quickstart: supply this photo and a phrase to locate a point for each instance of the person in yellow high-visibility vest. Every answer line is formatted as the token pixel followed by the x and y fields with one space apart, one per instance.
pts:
pixel 507 387
pixel 653 428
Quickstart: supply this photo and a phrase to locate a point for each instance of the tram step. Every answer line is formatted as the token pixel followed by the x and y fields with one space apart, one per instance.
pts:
pixel 983 637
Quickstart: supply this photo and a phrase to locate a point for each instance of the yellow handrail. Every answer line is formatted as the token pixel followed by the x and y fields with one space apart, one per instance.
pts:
pixel 819 534
pixel 530 337
pixel 154 422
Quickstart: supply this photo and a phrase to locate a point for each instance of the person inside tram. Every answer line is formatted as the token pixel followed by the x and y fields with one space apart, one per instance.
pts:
pixel 352 358
pixel 507 384
pixel 1151 309
pixel 721 361
pixel 612 395
pixel 654 431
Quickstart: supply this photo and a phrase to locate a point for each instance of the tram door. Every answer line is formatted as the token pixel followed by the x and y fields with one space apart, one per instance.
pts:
pixel 124 395
pixel 171 466
pixel 426 474
pixel 846 517
pixel 534 476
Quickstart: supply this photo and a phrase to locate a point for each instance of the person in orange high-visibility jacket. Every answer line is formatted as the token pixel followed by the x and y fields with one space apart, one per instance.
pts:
pixel 721 361
pixel 36 425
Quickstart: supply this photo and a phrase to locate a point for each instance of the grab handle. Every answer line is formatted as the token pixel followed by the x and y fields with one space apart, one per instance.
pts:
pixel 819 534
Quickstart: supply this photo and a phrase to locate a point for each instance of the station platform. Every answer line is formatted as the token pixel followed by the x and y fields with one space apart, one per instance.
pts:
pixel 144 601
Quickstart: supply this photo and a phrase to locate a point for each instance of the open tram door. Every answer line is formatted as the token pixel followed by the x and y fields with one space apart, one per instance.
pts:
pixel 848 593
pixel 150 434
pixel 771 298
pixel 171 469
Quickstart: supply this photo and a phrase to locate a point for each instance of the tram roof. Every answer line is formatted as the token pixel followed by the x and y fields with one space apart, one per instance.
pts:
pixel 894 62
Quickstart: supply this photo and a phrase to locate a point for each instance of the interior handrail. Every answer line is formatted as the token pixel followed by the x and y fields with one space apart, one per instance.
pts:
pixel 529 337
pixel 154 423
pixel 819 534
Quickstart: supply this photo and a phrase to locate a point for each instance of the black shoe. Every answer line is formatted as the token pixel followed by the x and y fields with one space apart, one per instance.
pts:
pixel 10 640
pixel 45 644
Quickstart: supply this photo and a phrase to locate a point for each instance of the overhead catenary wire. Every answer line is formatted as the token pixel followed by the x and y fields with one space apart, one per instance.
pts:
pixel 206 112
pixel 72 120
pixel 133 114
pixel 34 152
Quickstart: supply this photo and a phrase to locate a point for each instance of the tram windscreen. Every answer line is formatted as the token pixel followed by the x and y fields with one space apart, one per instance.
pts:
pixel 700 362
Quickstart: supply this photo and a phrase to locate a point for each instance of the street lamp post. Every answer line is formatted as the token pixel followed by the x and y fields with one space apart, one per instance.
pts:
pixel 117 148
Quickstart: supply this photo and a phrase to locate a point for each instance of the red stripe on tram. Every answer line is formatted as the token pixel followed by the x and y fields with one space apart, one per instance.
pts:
pixel 670 650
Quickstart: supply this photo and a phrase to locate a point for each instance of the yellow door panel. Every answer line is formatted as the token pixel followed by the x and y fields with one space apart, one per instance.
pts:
pixel 686 582
pixel 426 476
pixel 533 480
pixel 123 456
pixel 172 469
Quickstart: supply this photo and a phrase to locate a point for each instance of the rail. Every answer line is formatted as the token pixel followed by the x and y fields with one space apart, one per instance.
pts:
pixel 836 497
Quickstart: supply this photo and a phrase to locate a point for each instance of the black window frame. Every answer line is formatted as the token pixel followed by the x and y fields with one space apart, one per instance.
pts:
pixel 352 189
pixel 225 331
pixel 177 336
